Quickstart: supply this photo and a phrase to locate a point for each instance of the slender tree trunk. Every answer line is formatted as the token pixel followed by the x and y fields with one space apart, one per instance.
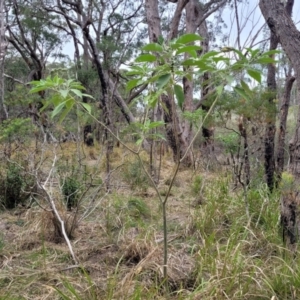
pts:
pixel 3 47
pixel 271 114
pixel 207 128
pixel 107 113
pixel 271 118
pixel 282 124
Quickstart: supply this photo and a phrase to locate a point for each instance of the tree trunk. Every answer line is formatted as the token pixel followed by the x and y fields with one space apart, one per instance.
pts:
pixel 271 114
pixel 271 117
pixel 282 123
pixel 281 24
pixel 207 128
pixel 3 47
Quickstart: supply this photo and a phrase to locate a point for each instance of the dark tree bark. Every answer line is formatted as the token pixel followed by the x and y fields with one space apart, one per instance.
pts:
pixel 3 47
pixel 271 118
pixel 270 132
pixel 281 24
pixel 282 123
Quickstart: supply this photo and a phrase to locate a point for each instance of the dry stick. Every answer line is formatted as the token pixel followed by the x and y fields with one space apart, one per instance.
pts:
pixel 52 204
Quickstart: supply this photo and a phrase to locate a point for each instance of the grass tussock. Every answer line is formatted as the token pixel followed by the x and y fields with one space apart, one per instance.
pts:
pixel 214 250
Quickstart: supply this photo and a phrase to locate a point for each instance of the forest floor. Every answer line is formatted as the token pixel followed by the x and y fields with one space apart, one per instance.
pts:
pixel 214 250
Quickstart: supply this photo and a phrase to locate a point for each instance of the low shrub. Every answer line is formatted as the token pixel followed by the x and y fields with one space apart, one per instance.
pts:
pixel 70 190
pixel 11 187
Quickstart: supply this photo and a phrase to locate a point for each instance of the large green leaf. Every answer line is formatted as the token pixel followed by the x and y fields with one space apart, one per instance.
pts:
pixel 189 62
pixel 255 74
pixel 58 109
pixel 191 49
pixel 37 89
pixel 242 93
pixel 153 47
pixel 265 60
pixel 132 84
pixel 246 88
pixel 77 92
pixel 64 93
pixel 155 124
pixel 179 95
pixel 188 38
pixel 87 107
pixel 146 58
pixel 163 80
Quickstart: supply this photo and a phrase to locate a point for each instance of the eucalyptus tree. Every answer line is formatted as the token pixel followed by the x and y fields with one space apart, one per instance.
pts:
pixel 269 140
pixel 188 17
pixel 31 34
pixel 283 27
pixel 35 39
pixel 3 47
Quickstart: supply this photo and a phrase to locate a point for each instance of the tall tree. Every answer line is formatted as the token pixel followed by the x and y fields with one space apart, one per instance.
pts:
pixel 3 47
pixel 271 114
pixel 179 131
pixel 282 25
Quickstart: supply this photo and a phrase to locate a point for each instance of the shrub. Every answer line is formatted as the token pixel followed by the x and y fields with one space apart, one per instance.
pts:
pixel 197 185
pixel 70 190
pixel 11 187
pixel 135 176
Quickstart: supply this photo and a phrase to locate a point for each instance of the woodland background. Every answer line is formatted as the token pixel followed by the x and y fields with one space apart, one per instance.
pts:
pixel 158 158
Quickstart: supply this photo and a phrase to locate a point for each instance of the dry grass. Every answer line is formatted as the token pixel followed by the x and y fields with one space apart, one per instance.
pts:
pixel 215 252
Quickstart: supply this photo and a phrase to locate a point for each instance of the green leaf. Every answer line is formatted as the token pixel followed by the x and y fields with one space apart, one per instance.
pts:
pixel 37 89
pixel 87 107
pixel 255 74
pixel 153 47
pixel 246 87
pixel 160 40
pixel 253 52
pixel 139 141
pixel 155 124
pixel 189 62
pixel 179 95
pixel 241 92
pixel 64 113
pixel 203 66
pixel 58 109
pixel 45 105
pixel 56 99
pixel 77 92
pixel 220 58
pixel 265 60
pixel 163 80
pixel 70 102
pixel 132 84
pixel 209 54
pixel 188 38
pixel 157 136
pixel 219 89
pixel 146 58
pixel 87 96
pixel 191 49
pixel 64 93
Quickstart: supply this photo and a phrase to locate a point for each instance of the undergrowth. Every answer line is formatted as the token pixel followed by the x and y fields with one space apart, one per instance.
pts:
pixel 215 250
